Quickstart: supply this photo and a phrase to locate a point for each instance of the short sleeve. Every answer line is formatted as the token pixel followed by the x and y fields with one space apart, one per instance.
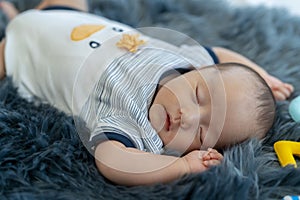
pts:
pixel 212 54
pixel 117 128
pixel 101 137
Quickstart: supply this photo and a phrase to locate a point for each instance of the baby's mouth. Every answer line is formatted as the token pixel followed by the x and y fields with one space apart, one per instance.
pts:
pixel 167 122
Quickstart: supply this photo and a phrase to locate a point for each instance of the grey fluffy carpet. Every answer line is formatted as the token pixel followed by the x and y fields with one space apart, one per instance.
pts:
pixel 41 156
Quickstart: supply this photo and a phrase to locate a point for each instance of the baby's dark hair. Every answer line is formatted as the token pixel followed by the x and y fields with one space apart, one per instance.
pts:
pixel 265 101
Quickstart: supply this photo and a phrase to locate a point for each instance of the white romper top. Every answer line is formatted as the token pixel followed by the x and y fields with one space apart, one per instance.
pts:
pixel 70 60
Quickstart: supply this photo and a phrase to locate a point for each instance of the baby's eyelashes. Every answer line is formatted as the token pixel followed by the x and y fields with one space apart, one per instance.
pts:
pixel 200 135
pixel 197 96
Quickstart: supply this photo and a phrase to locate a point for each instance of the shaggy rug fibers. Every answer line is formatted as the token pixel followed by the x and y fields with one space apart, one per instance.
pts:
pixel 41 156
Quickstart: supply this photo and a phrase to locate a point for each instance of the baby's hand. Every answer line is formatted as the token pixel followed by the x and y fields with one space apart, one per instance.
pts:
pixel 199 161
pixel 211 157
pixel 280 90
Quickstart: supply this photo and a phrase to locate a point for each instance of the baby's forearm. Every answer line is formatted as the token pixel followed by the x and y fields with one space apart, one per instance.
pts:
pixel 226 55
pixel 128 166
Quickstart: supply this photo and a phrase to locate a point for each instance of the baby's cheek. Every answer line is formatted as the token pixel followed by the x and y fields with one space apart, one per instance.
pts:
pixel 157 115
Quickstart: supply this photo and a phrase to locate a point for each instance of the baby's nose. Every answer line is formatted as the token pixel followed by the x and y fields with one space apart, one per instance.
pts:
pixel 190 118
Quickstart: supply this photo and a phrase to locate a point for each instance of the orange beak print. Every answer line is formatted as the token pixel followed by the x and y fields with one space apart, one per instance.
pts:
pixel 84 31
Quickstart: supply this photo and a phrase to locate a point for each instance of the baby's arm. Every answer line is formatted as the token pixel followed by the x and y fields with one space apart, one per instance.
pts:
pixel 280 90
pixel 2 61
pixel 128 166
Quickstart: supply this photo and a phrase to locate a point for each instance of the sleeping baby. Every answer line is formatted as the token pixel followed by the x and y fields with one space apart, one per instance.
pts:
pixel 135 97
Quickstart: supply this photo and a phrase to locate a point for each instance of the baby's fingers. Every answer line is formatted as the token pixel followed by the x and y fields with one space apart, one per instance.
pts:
pixel 216 156
pixel 279 95
pixel 289 87
pixel 210 163
pixel 287 90
pixel 212 154
pixel 203 154
pixel 282 93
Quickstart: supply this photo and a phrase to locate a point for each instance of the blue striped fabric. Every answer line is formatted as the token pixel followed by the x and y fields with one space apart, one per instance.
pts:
pixel 121 99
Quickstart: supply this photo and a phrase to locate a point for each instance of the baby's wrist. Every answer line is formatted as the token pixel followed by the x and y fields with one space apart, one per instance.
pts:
pixel 184 166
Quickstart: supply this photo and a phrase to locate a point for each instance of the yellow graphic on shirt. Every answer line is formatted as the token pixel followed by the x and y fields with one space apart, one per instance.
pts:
pixel 130 42
pixel 84 31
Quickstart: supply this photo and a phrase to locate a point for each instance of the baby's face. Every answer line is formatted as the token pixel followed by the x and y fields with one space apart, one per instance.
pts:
pixel 196 110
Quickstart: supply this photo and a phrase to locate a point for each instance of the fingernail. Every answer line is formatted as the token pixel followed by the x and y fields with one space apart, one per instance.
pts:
pixel 200 156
